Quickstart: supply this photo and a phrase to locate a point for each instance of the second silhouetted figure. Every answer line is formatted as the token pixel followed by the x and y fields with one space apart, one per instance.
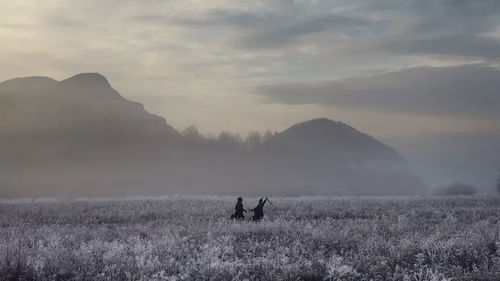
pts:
pixel 258 212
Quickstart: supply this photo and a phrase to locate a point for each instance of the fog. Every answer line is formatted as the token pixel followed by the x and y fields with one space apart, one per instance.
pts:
pixel 444 158
pixel 80 137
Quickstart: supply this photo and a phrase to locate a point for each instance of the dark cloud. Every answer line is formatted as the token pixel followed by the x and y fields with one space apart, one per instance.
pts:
pixel 447 27
pixel 267 29
pixel 472 46
pixel 285 34
pixel 412 27
pixel 468 90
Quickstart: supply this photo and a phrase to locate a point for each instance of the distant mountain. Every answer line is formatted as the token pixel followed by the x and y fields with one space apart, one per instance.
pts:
pixel 79 134
pixel 82 108
pixel 319 136
pixel 80 137
pixel 325 156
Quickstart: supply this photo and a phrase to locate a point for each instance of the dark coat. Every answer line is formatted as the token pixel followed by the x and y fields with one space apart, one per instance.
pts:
pixel 258 212
pixel 238 211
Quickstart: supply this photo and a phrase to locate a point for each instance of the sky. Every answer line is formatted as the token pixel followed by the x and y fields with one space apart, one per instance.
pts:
pixel 400 70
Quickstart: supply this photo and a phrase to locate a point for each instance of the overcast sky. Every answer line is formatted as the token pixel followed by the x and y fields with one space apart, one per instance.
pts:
pixel 391 68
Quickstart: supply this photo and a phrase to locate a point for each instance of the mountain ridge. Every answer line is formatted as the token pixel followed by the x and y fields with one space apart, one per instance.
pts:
pixel 112 144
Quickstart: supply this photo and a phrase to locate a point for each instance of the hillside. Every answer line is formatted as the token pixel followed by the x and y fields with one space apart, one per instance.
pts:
pixel 325 156
pixel 79 136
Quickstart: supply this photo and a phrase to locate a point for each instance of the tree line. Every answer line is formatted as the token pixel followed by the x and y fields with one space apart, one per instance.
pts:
pixel 227 139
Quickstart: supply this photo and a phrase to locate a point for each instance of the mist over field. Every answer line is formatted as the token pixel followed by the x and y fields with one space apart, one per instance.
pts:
pixel 79 137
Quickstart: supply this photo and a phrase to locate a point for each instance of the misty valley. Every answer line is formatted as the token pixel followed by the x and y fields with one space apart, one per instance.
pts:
pixel 80 137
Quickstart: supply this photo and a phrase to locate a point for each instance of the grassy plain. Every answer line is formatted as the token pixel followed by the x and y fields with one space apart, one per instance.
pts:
pixel 304 238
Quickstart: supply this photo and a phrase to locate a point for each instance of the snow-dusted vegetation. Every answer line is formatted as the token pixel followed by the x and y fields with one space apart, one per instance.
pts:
pixel 191 238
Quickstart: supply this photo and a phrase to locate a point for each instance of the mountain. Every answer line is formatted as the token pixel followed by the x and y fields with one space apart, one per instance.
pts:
pixel 82 108
pixel 322 135
pixel 328 157
pixel 79 136
pixel 59 137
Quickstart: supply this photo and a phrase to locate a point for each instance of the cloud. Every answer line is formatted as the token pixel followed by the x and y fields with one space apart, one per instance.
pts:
pixel 466 90
pixel 455 28
pixel 281 36
pixel 183 56
pixel 265 28
pixel 472 46
pixel 412 27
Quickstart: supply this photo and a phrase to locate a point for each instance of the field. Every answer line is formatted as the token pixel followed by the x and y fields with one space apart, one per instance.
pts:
pixel 306 238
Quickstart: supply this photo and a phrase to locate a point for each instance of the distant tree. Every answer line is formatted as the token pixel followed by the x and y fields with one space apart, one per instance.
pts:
pixel 456 189
pixel 192 134
pixel 210 138
pixel 253 139
pixel 227 139
pixel 267 135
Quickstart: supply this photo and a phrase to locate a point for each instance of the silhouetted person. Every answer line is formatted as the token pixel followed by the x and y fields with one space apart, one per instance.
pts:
pixel 238 213
pixel 258 212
